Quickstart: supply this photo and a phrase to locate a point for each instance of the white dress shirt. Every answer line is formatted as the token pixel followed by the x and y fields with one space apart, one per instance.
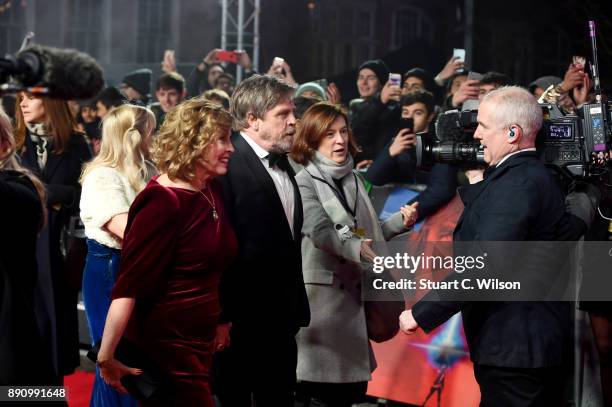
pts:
pixel 281 179
pixel 514 153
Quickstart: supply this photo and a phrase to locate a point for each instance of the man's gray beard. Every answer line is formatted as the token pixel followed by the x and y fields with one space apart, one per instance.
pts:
pixel 282 146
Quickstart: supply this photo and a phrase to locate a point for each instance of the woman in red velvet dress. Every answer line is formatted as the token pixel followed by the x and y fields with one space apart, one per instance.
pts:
pixel 177 243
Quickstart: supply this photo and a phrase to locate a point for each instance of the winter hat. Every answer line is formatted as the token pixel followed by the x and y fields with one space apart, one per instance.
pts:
pixel 379 67
pixel 311 87
pixel 418 73
pixel 140 80
pixel 544 82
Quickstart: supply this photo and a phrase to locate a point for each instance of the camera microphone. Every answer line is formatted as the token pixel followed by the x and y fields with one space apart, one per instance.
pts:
pixel 57 73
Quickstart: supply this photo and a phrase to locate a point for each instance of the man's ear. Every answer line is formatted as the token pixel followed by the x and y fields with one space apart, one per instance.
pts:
pixel 184 94
pixel 253 121
pixel 515 134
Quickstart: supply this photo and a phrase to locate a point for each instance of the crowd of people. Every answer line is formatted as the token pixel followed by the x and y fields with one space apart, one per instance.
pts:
pixel 227 227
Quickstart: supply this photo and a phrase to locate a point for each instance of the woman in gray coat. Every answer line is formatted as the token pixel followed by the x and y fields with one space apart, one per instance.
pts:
pixel 334 354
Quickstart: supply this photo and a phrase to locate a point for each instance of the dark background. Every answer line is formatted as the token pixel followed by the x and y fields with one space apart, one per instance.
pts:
pixel 325 38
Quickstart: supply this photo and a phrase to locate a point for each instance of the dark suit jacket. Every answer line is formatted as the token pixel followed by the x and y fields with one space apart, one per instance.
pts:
pixel 519 201
pixel 264 288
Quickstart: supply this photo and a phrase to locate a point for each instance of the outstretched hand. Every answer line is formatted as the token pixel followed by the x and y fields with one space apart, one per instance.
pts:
pixel 409 214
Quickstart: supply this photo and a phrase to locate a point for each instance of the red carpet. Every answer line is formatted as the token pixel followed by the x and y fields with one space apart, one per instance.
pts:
pixel 78 388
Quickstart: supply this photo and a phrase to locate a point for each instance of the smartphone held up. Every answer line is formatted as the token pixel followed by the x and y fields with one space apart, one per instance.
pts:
pixel 395 79
pixel 228 56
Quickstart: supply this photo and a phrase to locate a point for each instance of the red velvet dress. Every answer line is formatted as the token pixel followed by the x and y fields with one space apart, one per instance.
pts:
pixel 173 255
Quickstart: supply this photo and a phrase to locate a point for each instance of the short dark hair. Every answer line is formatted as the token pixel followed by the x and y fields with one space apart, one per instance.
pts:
pixel 496 78
pixel 91 103
pixel 419 96
pixel 302 103
pixel 111 97
pixel 417 73
pixel 171 80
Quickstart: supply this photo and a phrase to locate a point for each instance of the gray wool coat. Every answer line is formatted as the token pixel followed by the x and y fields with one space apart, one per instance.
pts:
pixel 335 347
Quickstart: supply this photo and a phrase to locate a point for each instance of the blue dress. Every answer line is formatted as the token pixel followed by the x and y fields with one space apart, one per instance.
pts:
pixel 101 268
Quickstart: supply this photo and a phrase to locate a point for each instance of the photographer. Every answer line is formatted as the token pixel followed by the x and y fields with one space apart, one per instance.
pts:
pixel 477 89
pixel 204 75
pixel 517 348
pixel 136 86
pixel 281 69
pixel 225 82
pixel 572 92
pixel 397 162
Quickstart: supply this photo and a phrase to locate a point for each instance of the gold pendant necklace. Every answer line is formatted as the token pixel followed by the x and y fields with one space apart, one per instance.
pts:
pixel 211 201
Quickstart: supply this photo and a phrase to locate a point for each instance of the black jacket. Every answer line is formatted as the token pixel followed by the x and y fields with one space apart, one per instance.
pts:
pixel 441 180
pixel 159 113
pixel 374 124
pixel 24 356
pixel 519 201
pixel 264 288
pixel 61 179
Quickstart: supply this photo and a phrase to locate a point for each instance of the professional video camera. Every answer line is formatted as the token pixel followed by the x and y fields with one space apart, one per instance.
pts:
pixel 453 141
pixel 577 147
pixel 46 71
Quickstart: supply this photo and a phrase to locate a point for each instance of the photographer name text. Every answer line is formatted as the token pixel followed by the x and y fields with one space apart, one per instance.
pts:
pixel 483 284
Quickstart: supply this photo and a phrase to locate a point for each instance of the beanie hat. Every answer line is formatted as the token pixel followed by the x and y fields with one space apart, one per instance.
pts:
pixel 140 80
pixel 379 67
pixel 418 73
pixel 311 87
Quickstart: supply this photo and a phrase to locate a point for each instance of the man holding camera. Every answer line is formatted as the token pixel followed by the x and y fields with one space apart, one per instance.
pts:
pixel 397 163
pixel 518 348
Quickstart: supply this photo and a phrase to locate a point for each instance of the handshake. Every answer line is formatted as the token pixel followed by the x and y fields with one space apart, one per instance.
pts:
pixel 407 323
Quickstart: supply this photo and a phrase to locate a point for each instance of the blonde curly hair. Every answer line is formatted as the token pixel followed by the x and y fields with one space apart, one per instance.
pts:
pixel 188 130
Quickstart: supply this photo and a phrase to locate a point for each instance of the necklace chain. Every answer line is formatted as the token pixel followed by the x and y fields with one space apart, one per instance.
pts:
pixel 211 201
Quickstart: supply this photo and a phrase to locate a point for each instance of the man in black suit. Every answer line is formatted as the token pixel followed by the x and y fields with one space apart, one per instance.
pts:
pixel 518 348
pixel 263 293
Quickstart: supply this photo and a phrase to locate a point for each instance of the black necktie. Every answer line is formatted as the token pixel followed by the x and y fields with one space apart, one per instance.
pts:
pixel 278 159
